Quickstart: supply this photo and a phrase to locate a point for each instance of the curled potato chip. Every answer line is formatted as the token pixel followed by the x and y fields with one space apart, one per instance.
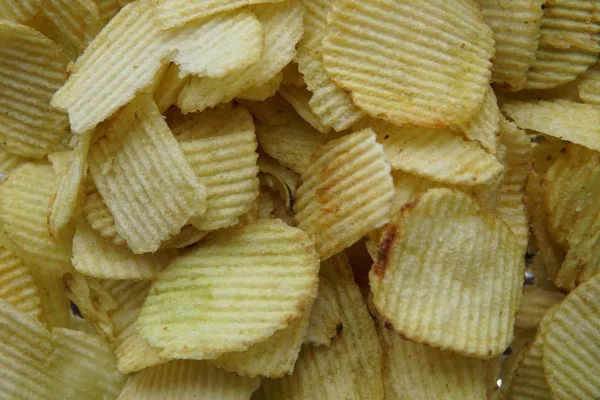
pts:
pixel 264 91
pixel 299 98
pixel 534 304
pixel 325 317
pixel 17 285
pixel 346 192
pixel 484 126
pixel 449 288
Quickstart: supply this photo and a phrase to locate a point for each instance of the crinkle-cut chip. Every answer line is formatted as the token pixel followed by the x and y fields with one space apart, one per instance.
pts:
pixel 93 301
pixel 330 103
pixel 137 48
pixel 484 126
pixel 24 204
pixel 299 98
pixel 8 162
pixel 187 236
pixel 292 144
pixel 546 150
pixel 273 358
pixel 264 275
pixel 415 371
pixel 588 85
pixel 534 304
pixel 263 91
pixel 453 297
pixel 562 119
pixel 19 10
pixel 169 87
pixel 572 23
pixel 33 68
pixel 273 111
pixel 325 319
pixel 24 349
pixel 82 366
pixel 437 154
pixel 153 204
pixel 108 8
pixel 437 73
pixel 133 352
pixel 56 307
pixel 570 351
pixel 350 368
pixel 220 146
pixel 173 13
pixel 96 256
pixel 188 380
pixel 292 77
pixel 98 215
pixel 282 27
pixel 516 27
pixel 346 192
pixel 17 285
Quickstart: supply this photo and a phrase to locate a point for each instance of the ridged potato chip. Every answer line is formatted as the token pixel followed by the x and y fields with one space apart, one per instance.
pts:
pixel 188 380
pixel 456 263
pixel 169 87
pixel 588 85
pixel 263 91
pixel 570 351
pixel 155 203
pixel 484 126
pixel 8 162
pixel 17 285
pixel 534 304
pixel 262 275
pixel 444 80
pixel 299 98
pixel 19 10
pixel 572 23
pixel 34 68
pixel 325 317
pixel 98 215
pixel 346 191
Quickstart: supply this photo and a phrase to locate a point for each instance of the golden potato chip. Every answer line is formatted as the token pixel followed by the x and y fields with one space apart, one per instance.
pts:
pixel 325 318
pixel 187 236
pixel 282 27
pixel 56 307
pixel 273 111
pixel 516 26
pixel 534 304
pixel 263 91
pixel 169 87
pixel 33 67
pixel 155 203
pixel 346 192
pixel 485 123
pixel 350 368
pixel 264 275
pixel 98 215
pixel 292 77
pixel 95 90
pixel 588 85
pixel 437 154
pixel 568 23
pixel 19 10
pixel 108 8
pixel 444 80
pixel 461 269
pixel 17 285
pixel 24 204
pixel 8 162
pixel 188 380
pixel 566 120
pixel 332 106
pixel 299 98
pixel 570 351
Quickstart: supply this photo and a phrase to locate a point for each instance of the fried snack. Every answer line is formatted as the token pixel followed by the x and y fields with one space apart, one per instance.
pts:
pixel 443 81
pixel 484 126
pixel 534 304
pixel 570 350
pixel 17 285
pixel 291 75
pixel 34 68
pixel 169 87
pixel 449 289
pixel 155 203
pixel 325 319
pixel 188 235
pixel 263 275
pixel 8 162
pixel 282 27
pixel 263 91
pixel 98 215
pixel 299 98
pixel 346 192
pixel 588 85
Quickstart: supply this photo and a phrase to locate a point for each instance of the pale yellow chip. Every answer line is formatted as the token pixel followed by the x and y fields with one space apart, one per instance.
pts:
pixel 346 191
pixel 169 87
pixel 588 85
pixel 220 146
pixel 562 119
pixel 98 215
pixel 516 26
pixel 332 106
pixel 534 304
pixel 299 98
pixel 350 368
pixel 33 68
pixel 572 23
pixel 582 261
pixel 292 77
pixel 155 203
pixel 17 285
pixel 443 81
pixel 188 380
pixel 8 162
pixel 437 154
pixel 461 272
pixel 187 236
pixel 484 126
pixel 138 47
pixel 19 10
pixel 263 91
pixel 325 320
pixel 282 27
pixel 273 111
pixel 24 204
pixel 570 351
pixel 264 275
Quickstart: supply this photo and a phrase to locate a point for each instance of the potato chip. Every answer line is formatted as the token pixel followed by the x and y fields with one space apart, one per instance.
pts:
pixel 350 368
pixel 282 27
pixel 516 26
pixel 8 162
pixel 19 10
pixel 264 91
pixel 299 98
pixel 534 304
pixel 98 215
pixel 188 380
pixel 437 154
pixel 566 120
pixel 325 319
pixel 449 289
pixel 246 258
pixel 138 47
pixel 292 77
pixel 187 236
pixel 570 351
pixel 484 126
pixel 273 111
pixel 568 23
pixel 108 8
pixel 346 192
pixel 33 67
pixel 17 285
pixel 169 87
pixel 56 307
pixel 155 203
pixel 588 85
pixel 444 80
pixel 220 146
pixel 582 261
pixel 24 203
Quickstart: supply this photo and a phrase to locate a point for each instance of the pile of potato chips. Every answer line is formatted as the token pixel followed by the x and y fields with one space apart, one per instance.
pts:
pixel 299 199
